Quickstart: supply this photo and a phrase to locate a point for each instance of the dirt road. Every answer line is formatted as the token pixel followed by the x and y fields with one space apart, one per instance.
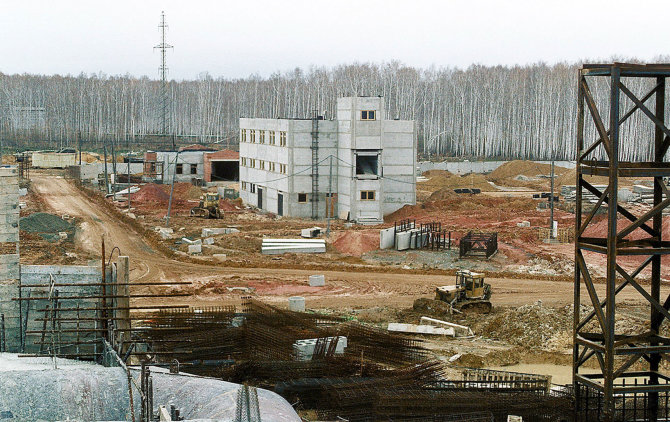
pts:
pixel 211 282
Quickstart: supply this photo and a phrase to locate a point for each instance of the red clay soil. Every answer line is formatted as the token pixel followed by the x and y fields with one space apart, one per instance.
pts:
pixel 228 206
pixel 150 193
pixel 356 243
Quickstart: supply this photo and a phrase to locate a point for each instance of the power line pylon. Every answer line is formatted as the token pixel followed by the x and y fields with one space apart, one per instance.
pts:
pixel 163 69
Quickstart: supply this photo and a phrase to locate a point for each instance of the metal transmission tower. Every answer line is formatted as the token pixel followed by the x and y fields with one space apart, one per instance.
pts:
pixel 628 385
pixel 165 94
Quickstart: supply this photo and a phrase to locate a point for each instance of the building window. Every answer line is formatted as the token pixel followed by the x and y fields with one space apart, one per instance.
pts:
pixel 243 161
pixel 282 139
pixel 243 135
pixel 367 164
pixel 252 163
pixel 272 137
pixel 368 115
pixel 282 168
pixel 194 169
pixel 261 164
pixel 261 136
pixel 244 185
pixel 252 136
pixel 302 198
pixel 179 169
pixel 253 188
pixel 272 167
pixel 367 195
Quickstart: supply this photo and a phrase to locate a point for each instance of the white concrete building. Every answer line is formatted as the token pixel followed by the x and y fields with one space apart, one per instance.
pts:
pixel 366 163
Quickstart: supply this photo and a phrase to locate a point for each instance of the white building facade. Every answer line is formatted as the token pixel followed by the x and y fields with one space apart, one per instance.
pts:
pixel 366 163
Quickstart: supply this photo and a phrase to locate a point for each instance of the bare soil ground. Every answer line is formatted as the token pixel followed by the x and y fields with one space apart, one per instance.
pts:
pixel 361 281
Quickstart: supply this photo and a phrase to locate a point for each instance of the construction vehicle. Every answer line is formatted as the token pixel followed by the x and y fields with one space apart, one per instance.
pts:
pixel 469 294
pixel 208 206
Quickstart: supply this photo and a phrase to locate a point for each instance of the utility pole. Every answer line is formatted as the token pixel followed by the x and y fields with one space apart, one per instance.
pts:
pixel 551 202
pixel 164 101
pixel 329 201
pixel 79 144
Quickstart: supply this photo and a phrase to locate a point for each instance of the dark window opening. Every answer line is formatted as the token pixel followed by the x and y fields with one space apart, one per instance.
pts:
pixel 194 169
pixel 253 188
pixel 367 165
pixel 302 198
pixel 225 170
pixel 367 195
pixel 368 115
pixel 179 169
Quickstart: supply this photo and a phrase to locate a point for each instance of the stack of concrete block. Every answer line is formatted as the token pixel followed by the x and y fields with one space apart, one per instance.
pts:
pixel 569 193
pixel 9 255
pixel 280 246
pixel 304 349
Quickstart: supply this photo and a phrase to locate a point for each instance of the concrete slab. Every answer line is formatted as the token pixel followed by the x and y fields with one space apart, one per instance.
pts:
pixel 208 241
pixel 195 249
pixel 296 304
pixel 420 329
pixel 387 238
pixel 402 241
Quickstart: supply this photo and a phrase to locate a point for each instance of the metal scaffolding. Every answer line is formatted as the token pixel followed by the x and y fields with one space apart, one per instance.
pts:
pixel 615 352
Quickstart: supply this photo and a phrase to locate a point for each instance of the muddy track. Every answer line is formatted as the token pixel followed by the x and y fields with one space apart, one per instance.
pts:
pixel 343 289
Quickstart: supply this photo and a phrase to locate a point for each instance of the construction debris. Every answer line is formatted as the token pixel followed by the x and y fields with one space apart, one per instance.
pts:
pixel 317 280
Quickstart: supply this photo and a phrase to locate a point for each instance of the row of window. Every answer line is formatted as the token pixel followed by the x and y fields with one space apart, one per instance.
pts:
pixel 184 168
pixel 366 195
pixel 272 139
pixel 256 163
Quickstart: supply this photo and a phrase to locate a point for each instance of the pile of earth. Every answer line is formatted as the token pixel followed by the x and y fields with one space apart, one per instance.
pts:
pixel 150 193
pixel 357 242
pixel 528 169
pixel 441 179
pixel 532 326
pixel 46 225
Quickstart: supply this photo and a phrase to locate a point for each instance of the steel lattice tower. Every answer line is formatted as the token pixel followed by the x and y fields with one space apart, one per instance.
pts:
pixel 164 105
pixel 628 384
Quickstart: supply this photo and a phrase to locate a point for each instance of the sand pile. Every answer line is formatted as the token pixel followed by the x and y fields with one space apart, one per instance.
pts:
pixel 358 242
pixel 437 173
pixel 512 169
pixel 90 157
pixel 185 191
pixel 150 193
pixel 568 178
pixel 450 181
pixel 8 159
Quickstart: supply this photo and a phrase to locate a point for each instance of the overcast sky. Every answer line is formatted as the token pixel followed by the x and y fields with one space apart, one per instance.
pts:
pixel 235 39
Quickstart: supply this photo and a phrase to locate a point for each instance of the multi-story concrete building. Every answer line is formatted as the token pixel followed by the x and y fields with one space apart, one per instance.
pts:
pixel 360 166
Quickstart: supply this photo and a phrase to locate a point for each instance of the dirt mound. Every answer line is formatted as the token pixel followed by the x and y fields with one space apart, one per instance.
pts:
pixel 432 307
pixel 437 173
pixel 568 178
pixel 184 190
pixel 531 326
pixel 8 159
pixel 90 157
pixel 150 193
pixel 472 180
pixel 226 205
pixel 356 243
pixel 512 169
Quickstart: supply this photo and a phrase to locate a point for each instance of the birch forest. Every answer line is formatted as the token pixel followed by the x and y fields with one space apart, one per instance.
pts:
pixel 520 112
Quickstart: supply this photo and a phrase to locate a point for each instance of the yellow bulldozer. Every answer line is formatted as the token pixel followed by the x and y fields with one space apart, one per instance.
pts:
pixel 469 294
pixel 208 206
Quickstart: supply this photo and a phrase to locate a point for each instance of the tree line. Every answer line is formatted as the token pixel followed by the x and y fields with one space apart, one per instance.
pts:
pixel 519 112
